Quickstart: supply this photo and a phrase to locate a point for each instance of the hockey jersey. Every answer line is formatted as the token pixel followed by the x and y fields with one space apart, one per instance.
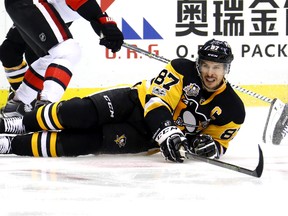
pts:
pixel 66 13
pixel 69 9
pixel 179 89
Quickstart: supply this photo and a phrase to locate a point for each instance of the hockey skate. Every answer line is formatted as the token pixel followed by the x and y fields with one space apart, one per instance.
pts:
pixel 275 114
pixel 281 128
pixel 15 108
pixel 5 144
pixel 11 94
pixel 40 103
pixel 12 125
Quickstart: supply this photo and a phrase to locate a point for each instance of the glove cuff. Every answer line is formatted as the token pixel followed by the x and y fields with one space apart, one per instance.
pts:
pixel 106 20
pixel 161 136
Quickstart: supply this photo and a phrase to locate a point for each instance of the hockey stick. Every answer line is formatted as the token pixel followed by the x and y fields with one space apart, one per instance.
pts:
pixel 162 59
pixel 256 173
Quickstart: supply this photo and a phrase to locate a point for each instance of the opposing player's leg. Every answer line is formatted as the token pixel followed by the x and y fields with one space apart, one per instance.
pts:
pixel 57 50
pixel 12 52
pixel 276 124
pixel 12 57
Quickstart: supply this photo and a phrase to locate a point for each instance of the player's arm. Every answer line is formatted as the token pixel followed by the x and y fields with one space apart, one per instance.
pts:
pixel 161 98
pixel 217 139
pixel 111 37
pixel 88 9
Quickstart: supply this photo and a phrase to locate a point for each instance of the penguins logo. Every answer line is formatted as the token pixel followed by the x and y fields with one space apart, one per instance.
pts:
pixel 120 140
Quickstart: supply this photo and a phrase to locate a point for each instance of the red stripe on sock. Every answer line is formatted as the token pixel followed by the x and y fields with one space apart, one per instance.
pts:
pixel 33 79
pixel 59 74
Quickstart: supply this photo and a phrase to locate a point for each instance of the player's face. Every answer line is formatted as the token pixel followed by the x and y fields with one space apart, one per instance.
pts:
pixel 212 74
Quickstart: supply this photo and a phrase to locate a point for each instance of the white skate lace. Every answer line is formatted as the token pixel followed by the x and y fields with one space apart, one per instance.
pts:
pixel 4 145
pixel 14 125
pixel 285 129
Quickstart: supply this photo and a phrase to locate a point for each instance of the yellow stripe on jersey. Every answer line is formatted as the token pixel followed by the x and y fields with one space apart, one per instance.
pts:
pixel 55 117
pixel 34 144
pixel 222 134
pixel 153 103
pixel 218 91
pixel 39 118
pixel 53 140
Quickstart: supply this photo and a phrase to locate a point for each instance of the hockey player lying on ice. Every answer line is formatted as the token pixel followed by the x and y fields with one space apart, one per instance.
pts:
pixel 189 104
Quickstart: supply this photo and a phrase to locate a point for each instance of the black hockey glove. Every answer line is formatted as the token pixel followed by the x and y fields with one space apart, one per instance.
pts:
pixel 170 139
pixel 204 145
pixel 110 35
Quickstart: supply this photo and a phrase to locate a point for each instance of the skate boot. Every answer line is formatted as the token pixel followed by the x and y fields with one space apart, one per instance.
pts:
pixel 275 111
pixel 11 94
pixel 281 128
pixel 5 144
pixel 40 103
pixel 12 125
pixel 15 108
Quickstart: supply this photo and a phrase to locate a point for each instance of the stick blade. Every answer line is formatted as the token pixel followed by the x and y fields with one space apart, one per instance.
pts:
pixel 259 169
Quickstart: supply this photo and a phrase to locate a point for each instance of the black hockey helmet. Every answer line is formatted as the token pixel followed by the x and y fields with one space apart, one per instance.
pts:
pixel 216 51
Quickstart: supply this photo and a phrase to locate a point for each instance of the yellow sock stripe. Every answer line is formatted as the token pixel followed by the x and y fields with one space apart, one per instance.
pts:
pixel 55 117
pixel 34 144
pixel 39 118
pixel 53 140
pixel 22 65
pixel 15 80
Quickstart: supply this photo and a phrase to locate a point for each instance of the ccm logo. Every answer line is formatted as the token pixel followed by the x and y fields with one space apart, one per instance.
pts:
pixel 110 106
pixel 165 133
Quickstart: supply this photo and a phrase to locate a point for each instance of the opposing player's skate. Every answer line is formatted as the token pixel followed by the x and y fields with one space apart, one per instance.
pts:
pixel 15 108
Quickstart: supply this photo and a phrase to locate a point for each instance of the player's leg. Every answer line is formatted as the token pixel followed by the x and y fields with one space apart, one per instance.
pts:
pixel 111 106
pixel 75 113
pixel 52 144
pixel 122 138
pixel 58 52
pixel 12 57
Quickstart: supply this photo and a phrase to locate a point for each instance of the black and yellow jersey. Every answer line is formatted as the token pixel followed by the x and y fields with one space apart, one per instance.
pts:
pixel 178 89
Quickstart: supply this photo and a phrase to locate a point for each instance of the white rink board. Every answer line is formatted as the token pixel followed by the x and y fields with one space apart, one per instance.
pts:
pixel 264 63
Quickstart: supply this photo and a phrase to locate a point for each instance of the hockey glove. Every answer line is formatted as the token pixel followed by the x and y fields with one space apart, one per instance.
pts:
pixel 170 139
pixel 204 145
pixel 110 35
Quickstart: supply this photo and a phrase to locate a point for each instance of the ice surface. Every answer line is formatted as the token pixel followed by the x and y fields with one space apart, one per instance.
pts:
pixel 147 185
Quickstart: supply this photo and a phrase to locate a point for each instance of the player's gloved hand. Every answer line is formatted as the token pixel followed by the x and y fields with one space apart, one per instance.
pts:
pixel 110 35
pixel 170 139
pixel 204 145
